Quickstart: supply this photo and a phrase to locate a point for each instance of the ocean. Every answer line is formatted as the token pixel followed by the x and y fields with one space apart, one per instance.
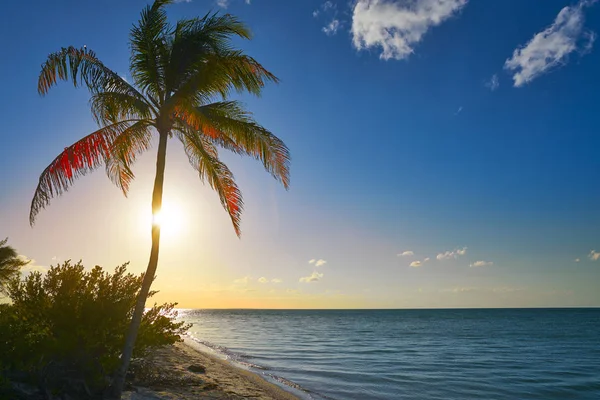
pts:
pixel 412 354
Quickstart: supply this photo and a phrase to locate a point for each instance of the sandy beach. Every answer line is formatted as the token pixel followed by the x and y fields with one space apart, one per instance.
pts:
pixel 166 375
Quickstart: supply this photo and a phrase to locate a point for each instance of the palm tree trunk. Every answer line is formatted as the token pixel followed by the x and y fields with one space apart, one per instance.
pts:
pixel 119 378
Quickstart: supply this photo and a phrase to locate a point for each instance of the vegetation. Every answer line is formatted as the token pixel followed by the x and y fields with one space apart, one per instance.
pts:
pixel 10 264
pixel 64 330
pixel 183 75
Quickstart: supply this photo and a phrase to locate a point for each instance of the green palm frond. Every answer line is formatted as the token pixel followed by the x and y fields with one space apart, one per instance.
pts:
pixel 194 39
pixel 125 148
pixel 77 160
pixel 10 264
pixel 203 157
pixel 217 76
pixel 110 107
pixel 149 48
pixel 230 126
pixel 81 66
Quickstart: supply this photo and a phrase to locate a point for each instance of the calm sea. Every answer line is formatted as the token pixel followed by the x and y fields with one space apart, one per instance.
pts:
pixel 413 354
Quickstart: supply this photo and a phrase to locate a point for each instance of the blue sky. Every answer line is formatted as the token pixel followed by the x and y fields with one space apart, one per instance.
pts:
pixel 460 131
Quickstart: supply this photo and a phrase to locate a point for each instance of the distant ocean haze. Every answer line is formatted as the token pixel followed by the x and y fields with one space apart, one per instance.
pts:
pixel 412 354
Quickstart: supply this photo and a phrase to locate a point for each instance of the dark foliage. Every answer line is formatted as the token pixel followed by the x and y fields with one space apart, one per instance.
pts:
pixel 65 330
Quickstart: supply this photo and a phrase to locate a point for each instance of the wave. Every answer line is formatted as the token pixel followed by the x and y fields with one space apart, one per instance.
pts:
pixel 229 354
pixel 238 358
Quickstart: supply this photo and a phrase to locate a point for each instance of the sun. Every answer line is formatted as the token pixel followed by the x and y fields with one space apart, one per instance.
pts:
pixel 170 219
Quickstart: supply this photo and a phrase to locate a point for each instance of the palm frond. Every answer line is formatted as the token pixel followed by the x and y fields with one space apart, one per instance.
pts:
pixel 110 107
pixel 10 264
pixel 76 160
pixel 203 157
pixel 125 148
pixel 220 75
pixel 230 126
pixel 81 66
pixel 194 39
pixel 149 48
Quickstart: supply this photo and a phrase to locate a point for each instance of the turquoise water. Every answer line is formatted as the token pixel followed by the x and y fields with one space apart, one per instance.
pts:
pixel 413 354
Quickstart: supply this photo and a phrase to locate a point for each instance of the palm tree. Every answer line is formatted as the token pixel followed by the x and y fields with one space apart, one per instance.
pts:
pixel 183 75
pixel 10 264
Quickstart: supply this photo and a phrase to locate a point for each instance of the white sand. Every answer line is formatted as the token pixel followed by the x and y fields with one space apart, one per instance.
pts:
pixel 222 380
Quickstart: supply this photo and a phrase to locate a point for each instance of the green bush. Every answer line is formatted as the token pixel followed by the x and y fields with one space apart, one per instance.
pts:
pixel 66 328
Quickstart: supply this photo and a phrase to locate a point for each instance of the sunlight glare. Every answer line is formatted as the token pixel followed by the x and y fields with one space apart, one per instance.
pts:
pixel 170 219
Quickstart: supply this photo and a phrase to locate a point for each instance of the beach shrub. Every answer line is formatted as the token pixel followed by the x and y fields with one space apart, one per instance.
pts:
pixel 67 327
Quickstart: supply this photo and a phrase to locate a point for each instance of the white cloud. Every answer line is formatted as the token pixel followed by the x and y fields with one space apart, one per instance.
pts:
pixel 594 255
pixel 426 259
pixel 315 13
pixel 396 27
pixel 458 111
pixel 493 83
pixel 477 264
pixel 314 277
pixel 331 28
pixel 220 3
pixel 327 5
pixel 406 253
pixel 452 254
pixel 276 280
pixel 577 260
pixel 262 280
pixel 416 264
pixel 551 47
pixel 318 263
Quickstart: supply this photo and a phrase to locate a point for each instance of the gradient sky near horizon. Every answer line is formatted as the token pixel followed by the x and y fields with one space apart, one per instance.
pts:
pixel 444 154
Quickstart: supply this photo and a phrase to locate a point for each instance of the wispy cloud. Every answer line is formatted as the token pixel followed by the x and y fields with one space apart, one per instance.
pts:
pixel 220 3
pixel 276 280
pixel 314 277
pixel 396 27
pixel 468 289
pixel 577 260
pixel 331 28
pixel 325 7
pixel 478 264
pixel 493 83
pixel 594 255
pixel 406 253
pixel 328 5
pixel 452 254
pixel 416 264
pixel 317 263
pixel 551 47
pixel 458 111
pixel 242 281
pixel 262 280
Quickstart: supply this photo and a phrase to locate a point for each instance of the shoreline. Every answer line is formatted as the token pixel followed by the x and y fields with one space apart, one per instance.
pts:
pixel 165 376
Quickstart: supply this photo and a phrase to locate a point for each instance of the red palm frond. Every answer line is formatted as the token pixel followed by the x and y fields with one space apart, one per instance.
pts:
pixel 76 160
